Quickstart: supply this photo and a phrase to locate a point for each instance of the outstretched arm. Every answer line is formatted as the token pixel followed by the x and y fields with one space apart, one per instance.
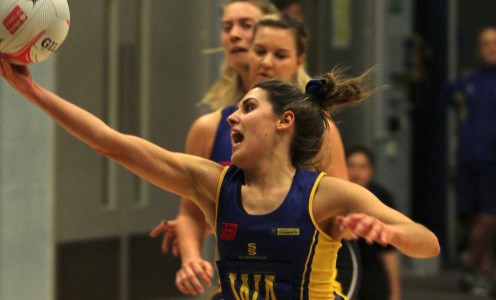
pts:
pixel 349 206
pixel 181 174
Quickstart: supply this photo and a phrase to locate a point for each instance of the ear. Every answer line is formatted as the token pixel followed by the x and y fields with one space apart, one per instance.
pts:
pixel 286 120
pixel 301 60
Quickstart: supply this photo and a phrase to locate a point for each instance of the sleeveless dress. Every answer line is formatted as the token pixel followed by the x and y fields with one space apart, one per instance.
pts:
pixel 279 255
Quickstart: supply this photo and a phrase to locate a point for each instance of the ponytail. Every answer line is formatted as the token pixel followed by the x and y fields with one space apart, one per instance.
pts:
pixel 335 89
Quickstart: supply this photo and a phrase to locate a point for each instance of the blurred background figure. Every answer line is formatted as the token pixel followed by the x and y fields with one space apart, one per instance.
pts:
pixel 474 98
pixel 380 265
pixel 293 8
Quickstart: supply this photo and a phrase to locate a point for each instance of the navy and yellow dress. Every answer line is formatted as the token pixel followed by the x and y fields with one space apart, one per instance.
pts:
pixel 222 148
pixel 279 255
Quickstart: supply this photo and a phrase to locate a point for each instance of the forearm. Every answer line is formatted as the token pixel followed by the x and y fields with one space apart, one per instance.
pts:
pixel 414 240
pixel 190 231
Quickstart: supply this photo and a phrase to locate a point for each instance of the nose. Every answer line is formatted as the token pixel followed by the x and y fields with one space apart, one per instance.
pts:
pixel 232 119
pixel 267 60
pixel 235 33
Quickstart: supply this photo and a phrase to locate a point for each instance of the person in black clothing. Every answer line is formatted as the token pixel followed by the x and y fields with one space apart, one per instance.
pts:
pixel 380 265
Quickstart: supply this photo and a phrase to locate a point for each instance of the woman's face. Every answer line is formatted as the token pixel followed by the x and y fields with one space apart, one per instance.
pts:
pixel 487 46
pixel 360 170
pixel 253 128
pixel 273 54
pixel 238 21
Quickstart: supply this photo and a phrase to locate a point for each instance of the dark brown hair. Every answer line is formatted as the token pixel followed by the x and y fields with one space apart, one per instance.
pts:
pixel 283 21
pixel 361 150
pixel 312 114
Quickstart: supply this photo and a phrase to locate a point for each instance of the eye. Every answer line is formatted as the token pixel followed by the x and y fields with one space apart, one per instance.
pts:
pixel 281 55
pixel 226 27
pixel 259 51
pixel 248 107
pixel 247 25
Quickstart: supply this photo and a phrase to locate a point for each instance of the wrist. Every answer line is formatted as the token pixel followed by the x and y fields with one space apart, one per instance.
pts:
pixel 190 258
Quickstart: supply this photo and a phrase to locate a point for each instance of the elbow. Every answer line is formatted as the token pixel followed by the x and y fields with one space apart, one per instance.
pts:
pixel 436 249
pixel 103 151
pixel 107 145
pixel 107 152
pixel 107 142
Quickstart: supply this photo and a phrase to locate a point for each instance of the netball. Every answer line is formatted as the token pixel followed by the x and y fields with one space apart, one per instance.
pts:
pixel 32 30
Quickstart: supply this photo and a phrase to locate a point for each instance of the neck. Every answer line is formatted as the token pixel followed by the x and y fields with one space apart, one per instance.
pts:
pixel 273 172
pixel 244 75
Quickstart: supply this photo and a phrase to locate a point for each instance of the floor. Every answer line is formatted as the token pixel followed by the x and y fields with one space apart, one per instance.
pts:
pixel 442 286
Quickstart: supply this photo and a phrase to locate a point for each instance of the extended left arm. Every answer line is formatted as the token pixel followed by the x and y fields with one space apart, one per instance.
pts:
pixel 355 208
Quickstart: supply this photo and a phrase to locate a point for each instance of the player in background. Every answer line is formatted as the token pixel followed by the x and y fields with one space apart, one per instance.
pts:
pixel 474 99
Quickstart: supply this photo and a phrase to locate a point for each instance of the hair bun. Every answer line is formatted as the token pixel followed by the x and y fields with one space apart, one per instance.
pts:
pixel 317 89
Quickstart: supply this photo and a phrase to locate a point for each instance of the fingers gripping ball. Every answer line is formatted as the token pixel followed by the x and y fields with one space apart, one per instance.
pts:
pixel 32 30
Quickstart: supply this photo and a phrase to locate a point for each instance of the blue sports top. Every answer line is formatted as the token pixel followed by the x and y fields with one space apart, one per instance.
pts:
pixel 222 149
pixel 279 255
pixel 474 97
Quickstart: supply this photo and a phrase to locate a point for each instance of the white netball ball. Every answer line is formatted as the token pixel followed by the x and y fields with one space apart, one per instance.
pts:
pixel 32 30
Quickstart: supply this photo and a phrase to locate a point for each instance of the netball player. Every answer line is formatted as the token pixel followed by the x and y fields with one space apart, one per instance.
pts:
pixel 278 226
pixel 278 50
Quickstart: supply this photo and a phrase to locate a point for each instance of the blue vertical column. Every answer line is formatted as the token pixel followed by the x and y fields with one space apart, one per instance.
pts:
pixel 429 117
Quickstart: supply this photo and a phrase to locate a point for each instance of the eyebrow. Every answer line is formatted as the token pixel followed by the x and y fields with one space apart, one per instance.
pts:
pixel 277 49
pixel 240 20
pixel 246 100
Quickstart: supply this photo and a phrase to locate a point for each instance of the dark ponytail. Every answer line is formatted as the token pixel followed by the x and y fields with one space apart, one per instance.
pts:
pixel 336 89
pixel 313 109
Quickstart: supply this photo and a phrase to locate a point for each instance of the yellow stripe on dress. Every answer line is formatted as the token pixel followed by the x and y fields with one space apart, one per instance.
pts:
pixel 219 186
pixel 304 275
pixel 323 265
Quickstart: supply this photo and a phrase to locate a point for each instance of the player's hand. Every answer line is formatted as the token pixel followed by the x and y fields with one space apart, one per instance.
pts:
pixel 364 226
pixel 193 275
pixel 19 77
pixel 168 228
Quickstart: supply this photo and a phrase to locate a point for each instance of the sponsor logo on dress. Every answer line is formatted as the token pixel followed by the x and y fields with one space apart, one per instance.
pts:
pixel 252 249
pixel 285 231
pixel 253 286
pixel 228 231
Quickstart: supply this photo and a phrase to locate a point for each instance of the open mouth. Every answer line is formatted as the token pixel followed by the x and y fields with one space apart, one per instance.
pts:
pixel 237 137
pixel 265 75
pixel 238 50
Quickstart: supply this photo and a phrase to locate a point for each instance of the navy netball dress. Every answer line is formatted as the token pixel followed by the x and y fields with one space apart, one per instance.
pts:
pixel 279 255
